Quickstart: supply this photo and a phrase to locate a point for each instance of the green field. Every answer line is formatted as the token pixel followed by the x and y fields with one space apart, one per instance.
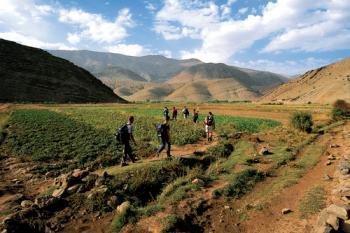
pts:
pixel 84 136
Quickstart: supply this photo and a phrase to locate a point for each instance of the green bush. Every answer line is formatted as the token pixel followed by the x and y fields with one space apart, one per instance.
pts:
pixel 340 110
pixel 240 184
pixel 301 121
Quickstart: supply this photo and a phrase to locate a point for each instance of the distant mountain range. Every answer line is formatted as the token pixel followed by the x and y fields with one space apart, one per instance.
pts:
pixel 157 78
pixel 322 85
pixel 33 75
pixel 151 68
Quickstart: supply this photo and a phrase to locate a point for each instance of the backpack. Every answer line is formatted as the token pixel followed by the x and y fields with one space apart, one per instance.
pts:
pixel 159 129
pixel 122 134
pixel 210 120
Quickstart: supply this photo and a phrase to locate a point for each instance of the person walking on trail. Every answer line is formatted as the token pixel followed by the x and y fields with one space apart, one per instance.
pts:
pixel 174 115
pixel 195 116
pixel 124 135
pixel 209 126
pixel 185 112
pixel 164 137
pixel 165 111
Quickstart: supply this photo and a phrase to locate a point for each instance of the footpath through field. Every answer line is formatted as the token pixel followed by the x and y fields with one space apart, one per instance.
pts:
pixel 269 217
pixel 176 151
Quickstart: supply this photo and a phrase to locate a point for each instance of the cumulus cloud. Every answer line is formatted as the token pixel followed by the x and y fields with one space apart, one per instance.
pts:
pixel 33 42
pixel 128 49
pixel 286 24
pixel 94 27
pixel 53 27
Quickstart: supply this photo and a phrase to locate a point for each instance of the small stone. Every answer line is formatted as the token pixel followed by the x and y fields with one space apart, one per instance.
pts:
pixel 97 214
pixel 327 177
pixel 49 174
pixel 226 207
pixel 345 171
pixel 198 182
pixel 73 189
pixel 328 163
pixel 331 157
pixel 99 181
pixel 264 151
pixel 78 173
pixel 341 211
pixel 125 206
pixel 334 145
pixel 286 211
pixel 59 192
pixel 333 221
pixel 26 203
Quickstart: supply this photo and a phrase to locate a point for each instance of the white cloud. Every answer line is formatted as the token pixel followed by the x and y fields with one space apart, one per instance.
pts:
pixel 33 42
pixel 96 28
pixel 128 49
pixel 288 24
pixel 287 67
pixel 73 38
pixel 192 16
pixel 149 6
pixel 243 10
pixel 165 53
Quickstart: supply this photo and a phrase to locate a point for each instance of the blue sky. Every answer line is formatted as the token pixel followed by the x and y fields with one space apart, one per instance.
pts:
pixel 284 36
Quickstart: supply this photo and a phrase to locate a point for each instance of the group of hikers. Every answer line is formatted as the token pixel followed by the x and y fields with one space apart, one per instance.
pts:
pixel 125 133
pixel 185 113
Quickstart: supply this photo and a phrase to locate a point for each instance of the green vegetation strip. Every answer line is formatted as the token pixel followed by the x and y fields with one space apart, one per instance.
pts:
pixel 105 118
pixel 243 124
pixel 292 174
pixel 42 135
pixel 313 201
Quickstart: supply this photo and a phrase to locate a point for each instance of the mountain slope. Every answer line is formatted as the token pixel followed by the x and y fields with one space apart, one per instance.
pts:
pixel 323 85
pixel 151 67
pixel 32 75
pixel 209 81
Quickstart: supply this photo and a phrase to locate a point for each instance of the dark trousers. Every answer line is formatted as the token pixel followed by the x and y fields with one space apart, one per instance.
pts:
pixel 127 153
pixel 164 143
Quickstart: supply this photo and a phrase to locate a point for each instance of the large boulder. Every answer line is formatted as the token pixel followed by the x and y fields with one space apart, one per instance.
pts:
pixel 341 211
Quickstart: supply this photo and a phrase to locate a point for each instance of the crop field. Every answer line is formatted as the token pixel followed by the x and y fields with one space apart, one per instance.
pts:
pixel 84 136
pixel 61 138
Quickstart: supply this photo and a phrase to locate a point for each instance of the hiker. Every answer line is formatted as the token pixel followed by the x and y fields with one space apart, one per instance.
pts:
pixel 124 135
pixel 164 137
pixel 185 112
pixel 195 116
pixel 174 115
pixel 165 111
pixel 209 126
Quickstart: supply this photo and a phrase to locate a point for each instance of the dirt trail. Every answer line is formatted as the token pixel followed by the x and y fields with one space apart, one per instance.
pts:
pixel 176 151
pixel 270 218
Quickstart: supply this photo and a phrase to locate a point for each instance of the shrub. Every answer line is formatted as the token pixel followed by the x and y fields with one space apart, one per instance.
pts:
pixel 302 121
pixel 340 109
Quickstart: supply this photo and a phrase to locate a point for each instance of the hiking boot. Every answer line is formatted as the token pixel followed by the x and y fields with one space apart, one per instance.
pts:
pixel 168 158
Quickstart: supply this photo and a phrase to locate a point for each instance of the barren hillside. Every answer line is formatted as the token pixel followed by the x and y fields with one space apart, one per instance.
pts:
pixel 323 85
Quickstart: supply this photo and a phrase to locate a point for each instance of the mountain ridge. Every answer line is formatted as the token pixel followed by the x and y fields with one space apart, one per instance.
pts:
pixel 30 74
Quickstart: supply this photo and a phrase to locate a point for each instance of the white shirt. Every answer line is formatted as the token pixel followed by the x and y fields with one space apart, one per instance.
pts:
pixel 130 128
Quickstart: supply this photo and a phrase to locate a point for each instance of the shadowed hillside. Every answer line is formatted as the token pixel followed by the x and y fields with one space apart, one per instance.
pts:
pixel 323 85
pixel 32 75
